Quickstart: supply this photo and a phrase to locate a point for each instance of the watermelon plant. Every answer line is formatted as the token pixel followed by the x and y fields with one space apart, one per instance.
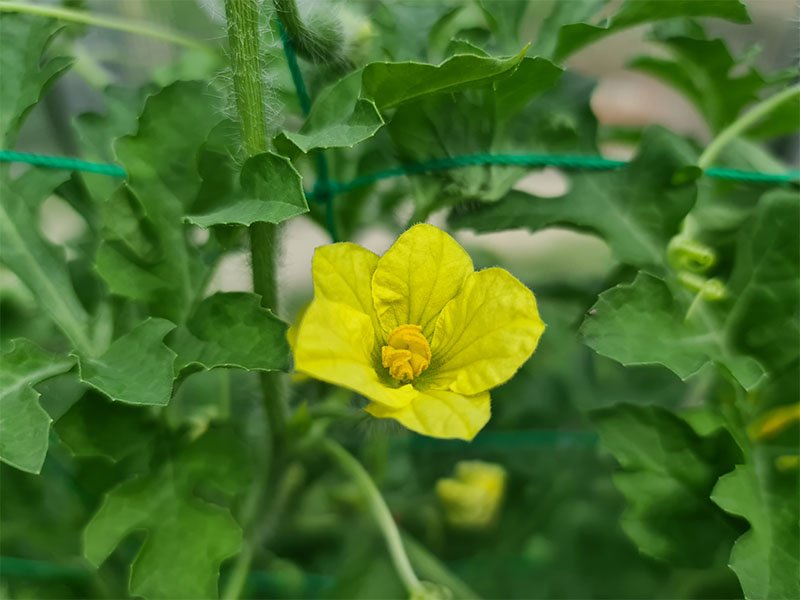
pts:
pixel 611 414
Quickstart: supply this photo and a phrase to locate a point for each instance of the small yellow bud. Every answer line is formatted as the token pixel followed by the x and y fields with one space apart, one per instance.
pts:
pixel 472 499
pixel 774 421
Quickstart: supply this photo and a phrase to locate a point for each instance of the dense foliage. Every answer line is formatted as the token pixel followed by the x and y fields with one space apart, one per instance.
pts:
pixel 648 449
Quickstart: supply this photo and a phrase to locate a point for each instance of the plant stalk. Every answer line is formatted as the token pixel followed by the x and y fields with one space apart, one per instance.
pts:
pixel 740 125
pixel 380 511
pixel 245 51
pixel 77 16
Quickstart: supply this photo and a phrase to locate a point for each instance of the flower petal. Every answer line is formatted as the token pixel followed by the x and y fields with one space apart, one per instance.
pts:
pixel 484 334
pixel 422 271
pixel 343 273
pixel 335 343
pixel 440 413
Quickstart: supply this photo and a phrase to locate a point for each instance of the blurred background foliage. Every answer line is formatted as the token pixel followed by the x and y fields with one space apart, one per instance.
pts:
pixel 569 527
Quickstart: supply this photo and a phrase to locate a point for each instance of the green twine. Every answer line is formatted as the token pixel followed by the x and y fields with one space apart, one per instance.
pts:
pixel 578 163
pixel 62 162
pixel 294 70
pixel 323 189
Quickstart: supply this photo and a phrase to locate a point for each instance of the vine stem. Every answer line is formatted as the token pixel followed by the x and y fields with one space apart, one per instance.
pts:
pixel 380 511
pixel 245 51
pixel 740 125
pixel 244 41
pixel 77 16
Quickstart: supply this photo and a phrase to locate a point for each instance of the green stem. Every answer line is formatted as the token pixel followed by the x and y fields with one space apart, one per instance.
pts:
pixel 77 16
pixel 380 511
pixel 292 479
pixel 433 570
pixel 740 125
pixel 245 50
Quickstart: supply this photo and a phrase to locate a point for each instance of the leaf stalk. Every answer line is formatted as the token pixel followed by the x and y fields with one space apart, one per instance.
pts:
pixel 380 512
pixel 740 125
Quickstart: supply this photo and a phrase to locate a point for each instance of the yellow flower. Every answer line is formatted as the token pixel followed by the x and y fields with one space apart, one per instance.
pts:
pixel 417 331
pixel 472 498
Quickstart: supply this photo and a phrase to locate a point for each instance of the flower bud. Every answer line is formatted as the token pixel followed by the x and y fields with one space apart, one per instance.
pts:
pixel 472 499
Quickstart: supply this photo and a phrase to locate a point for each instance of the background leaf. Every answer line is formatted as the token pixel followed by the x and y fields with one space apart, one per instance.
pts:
pixel 39 265
pixel 163 180
pixel 669 471
pixel 390 84
pixel 136 369
pixel 642 323
pixel 24 74
pixel 636 208
pixel 575 36
pixel 767 557
pixel 272 192
pixel 232 330
pixel 187 538
pixel 24 425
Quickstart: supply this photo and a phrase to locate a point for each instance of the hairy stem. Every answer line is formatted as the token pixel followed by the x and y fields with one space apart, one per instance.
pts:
pixel 380 511
pixel 245 50
pixel 292 479
pixel 77 16
pixel 740 125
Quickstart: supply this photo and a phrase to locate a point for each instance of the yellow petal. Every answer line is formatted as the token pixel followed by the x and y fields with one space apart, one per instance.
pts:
pixel 422 271
pixel 335 343
pixel 484 334
pixel 343 273
pixel 440 413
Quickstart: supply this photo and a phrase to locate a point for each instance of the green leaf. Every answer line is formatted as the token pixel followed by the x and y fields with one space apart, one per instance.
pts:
pixel 39 265
pixel 24 74
pixel 575 36
pixel 24 425
pixel 232 330
pixel 97 132
pixel 201 399
pixel 703 71
pixel 642 323
pixel 95 426
pixel 187 538
pixel 163 180
pixel 561 14
pixel 751 332
pixel 272 192
pixel 636 209
pixel 668 474
pixel 339 118
pixel 391 84
pixel 763 322
pixel 136 369
pixel 766 559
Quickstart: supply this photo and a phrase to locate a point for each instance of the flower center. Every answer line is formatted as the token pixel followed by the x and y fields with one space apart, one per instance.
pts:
pixel 407 353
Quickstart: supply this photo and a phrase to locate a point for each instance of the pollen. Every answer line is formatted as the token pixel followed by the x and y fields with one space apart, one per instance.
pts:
pixel 407 353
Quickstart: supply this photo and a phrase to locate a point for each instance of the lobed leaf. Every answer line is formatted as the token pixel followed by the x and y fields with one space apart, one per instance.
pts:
pixel 766 559
pixel 642 323
pixel 575 36
pixel 136 369
pixel 163 181
pixel 232 329
pixel 271 192
pixel 187 538
pixel 95 426
pixel 38 264
pixel 751 332
pixel 391 84
pixel 24 424
pixel 637 209
pixel 706 73
pixel 24 73
pixel 668 473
